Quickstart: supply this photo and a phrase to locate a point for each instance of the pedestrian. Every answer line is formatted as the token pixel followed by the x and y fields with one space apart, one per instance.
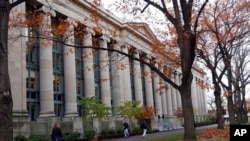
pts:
pixel 125 129
pixel 56 133
pixel 144 128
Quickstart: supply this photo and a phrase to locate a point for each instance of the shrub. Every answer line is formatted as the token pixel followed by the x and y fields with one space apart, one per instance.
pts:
pixel 211 118
pixel 20 138
pixel 108 133
pixel 119 131
pixel 136 130
pixel 37 138
pixel 111 132
pixel 71 136
pixel 89 134
pixel 104 133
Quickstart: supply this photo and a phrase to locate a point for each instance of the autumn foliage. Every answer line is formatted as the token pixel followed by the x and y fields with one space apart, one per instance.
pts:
pixel 148 113
pixel 179 112
pixel 214 133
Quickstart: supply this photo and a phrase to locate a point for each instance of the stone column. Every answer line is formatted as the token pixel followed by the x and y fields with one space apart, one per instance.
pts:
pixel 70 76
pixel 104 72
pixel 199 98
pixel 163 97
pixel 204 101
pixel 194 93
pixel 17 68
pixel 174 93
pixel 178 82
pixel 158 104
pixel 148 84
pixel 169 100
pixel 46 70
pixel 137 79
pixel 127 94
pixel 117 79
pixel 88 70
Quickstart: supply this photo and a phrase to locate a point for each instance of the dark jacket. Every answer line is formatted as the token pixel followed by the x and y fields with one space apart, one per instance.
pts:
pixel 56 132
pixel 125 125
pixel 144 125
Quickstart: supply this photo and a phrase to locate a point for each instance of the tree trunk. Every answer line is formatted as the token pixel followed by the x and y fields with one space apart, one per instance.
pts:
pixel 219 108
pixel 245 117
pixel 188 113
pixel 6 103
pixel 187 44
pixel 231 111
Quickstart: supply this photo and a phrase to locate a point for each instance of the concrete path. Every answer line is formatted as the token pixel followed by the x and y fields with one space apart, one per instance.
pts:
pixel 159 134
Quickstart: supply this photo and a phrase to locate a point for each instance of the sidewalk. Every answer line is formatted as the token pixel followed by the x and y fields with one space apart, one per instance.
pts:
pixel 159 134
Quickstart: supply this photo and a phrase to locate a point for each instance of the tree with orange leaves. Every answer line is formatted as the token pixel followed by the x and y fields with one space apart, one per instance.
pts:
pixel 180 18
pixel 222 36
pixel 148 113
pixel 179 112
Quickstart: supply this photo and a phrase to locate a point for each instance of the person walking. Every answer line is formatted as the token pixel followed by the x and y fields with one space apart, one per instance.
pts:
pixel 125 129
pixel 144 128
pixel 56 133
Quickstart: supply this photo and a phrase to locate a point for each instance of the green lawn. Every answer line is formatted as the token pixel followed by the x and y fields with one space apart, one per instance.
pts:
pixel 179 136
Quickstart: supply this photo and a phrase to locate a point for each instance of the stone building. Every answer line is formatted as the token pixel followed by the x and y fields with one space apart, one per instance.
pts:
pixel 47 82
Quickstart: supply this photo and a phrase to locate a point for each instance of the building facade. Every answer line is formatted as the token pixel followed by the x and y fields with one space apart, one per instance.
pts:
pixel 48 78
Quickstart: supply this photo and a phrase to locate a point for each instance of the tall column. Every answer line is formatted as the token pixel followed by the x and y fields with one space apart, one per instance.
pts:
pixel 178 81
pixel 148 84
pixel 158 104
pixel 137 79
pixel 204 101
pixel 163 97
pixel 88 70
pixel 70 76
pixel 127 94
pixel 46 70
pixel 199 98
pixel 173 93
pixel 169 100
pixel 18 72
pixel 104 73
pixel 194 93
pixel 117 79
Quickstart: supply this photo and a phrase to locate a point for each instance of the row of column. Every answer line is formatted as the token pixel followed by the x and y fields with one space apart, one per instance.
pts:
pixel 164 100
pixel 198 97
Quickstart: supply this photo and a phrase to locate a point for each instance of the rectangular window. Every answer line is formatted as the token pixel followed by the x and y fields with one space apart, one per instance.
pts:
pixel 58 85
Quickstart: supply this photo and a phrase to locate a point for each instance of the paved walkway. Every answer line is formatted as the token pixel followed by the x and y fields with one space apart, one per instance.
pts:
pixel 158 134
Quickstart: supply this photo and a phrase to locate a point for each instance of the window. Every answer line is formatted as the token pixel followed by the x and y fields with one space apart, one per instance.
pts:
pixel 32 94
pixel 143 84
pixel 58 82
pixel 132 77
pixel 32 74
pixel 96 58
pixel 32 49
pixel 79 67
pixel 58 55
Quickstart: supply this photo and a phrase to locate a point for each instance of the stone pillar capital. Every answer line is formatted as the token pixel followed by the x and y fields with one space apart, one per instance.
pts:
pixel 105 38
pixel 137 51
pixel 90 30
pixel 126 46
pixel 148 57
pixel 117 46
pixel 47 10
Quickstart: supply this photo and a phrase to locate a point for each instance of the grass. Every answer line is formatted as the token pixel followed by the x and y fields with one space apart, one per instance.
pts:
pixel 179 136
